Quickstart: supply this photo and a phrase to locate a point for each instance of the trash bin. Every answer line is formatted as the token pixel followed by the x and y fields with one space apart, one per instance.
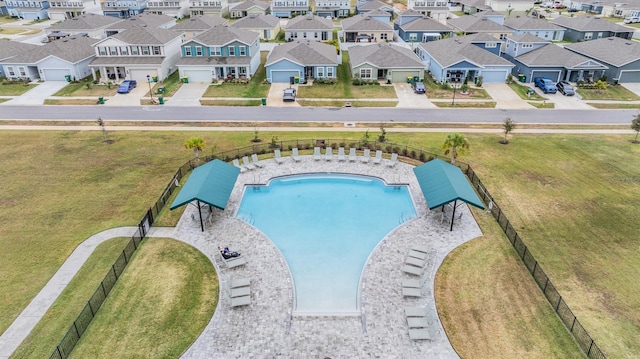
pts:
pixel 530 92
pixel 161 89
pixel 296 79
pixel 185 79
pixel 416 79
pixel 522 78
pixel 264 101
pixel 409 78
pixel 68 78
pixel 101 100
pixel 154 78
pixel 161 100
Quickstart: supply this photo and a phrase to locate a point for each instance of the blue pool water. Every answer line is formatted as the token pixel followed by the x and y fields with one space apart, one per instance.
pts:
pixel 326 226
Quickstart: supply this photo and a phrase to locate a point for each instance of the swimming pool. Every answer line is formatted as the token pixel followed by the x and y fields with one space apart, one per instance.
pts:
pixel 326 225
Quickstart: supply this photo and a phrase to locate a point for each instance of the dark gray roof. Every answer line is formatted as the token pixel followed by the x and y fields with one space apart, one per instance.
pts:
pixel 611 50
pixel 151 20
pixel 479 38
pixel 530 23
pixel 470 23
pixel 364 22
pixel 71 49
pixel 589 23
pixel 373 5
pixel 527 37
pixel 426 24
pixel 309 22
pixel 222 35
pixel 411 12
pixel 451 51
pixel 126 60
pixel 214 60
pixel 10 48
pixel 378 12
pixel 85 22
pixel 384 56
pixel 304 53
pixel 146 35
pixel 199 23
pixel 257 22
pixel 246 5
pixel 552 55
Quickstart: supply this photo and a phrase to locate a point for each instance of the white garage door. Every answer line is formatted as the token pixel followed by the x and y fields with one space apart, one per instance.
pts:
pixel 198 75
pixel 55 74
pixel 140 75
pixel 283 76
pixel 494 76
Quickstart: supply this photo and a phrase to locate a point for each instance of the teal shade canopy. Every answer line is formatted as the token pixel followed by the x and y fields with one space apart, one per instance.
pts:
pixel 210 183
pixel 442 183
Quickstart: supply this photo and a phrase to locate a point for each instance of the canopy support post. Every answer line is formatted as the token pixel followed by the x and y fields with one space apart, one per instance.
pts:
pixel 200 214
pixel 453 214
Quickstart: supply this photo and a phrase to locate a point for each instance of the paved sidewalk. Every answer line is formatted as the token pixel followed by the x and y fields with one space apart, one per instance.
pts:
pixel 38 94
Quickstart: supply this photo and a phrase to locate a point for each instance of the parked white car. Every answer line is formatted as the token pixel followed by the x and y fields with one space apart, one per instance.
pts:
pixel 631 20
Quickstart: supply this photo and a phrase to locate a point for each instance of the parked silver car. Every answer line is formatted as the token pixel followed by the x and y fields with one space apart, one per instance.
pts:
pixel 565 88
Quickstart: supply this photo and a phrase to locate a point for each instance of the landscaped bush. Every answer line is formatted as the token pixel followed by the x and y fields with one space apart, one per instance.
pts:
pixel 362 82
pixel 325 81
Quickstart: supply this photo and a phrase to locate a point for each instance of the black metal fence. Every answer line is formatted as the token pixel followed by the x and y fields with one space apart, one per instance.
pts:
pixel 79 326
pixel 561 308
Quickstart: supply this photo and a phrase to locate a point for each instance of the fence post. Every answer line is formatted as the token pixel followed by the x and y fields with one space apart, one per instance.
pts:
pixel 559 300
pixel 113 268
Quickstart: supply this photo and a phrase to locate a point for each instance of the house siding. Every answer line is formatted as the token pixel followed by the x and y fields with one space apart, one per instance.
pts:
pixel 316 35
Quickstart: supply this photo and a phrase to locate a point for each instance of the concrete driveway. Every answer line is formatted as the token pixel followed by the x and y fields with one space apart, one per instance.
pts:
pixel 129 99
pixel 504 96
pixel 188 94
pixel 633 87
pixel 563 102
pixel 38 94
pixel 408 99
pixel 274 97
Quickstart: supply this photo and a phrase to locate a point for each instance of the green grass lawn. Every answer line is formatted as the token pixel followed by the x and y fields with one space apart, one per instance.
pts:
pixel 171 84
pixel 521 90
pixel 353 103
pixel 159 306
pixel 613 105
pixel 230 102
pixel 12 30
pixel 572 198
pixel 542 104
pixel 482 104
pixel 80 89
pixel 434 90
pixel 256 88
pixel 16 89
pixel 616 93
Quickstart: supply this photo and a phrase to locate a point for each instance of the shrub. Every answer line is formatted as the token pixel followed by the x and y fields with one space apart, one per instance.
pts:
pixel 422 156
pixel 413 154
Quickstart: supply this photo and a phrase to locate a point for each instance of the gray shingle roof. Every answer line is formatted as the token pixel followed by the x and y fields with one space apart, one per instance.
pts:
pixel 85 22
pixel 222 35
pixel 530 23
pixel 449 52
pixel 126 60
pixel 611 50
pixel 384 56
pixel 146 35
pixel 526 37
pixel 257 22
pixel 151 20
pixel 71 49
pixel 305 53
pixel 199 23
pixel 470 23
pixel 378 12
pixel 589 23
pixel 214 60
pixel 10 49
pixel 411 12
pixel 364 23
pixel 552 55
pixel 425 24
pixel 246 5
pixel 309 22
pixel 373 5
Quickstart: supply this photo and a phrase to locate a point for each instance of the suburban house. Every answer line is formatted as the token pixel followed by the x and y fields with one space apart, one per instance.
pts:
pixel 196 25
pixel 11 49
pixel 267 26
pixel 535 57
pixel 333 8
pixel 60 10
pixel 473 6
pixel 28 10
pixel 535 26
pixel 208 8
pixel 177 9
pixel 363 28
pixel 620 55
pixel 142 20
pixel 3 8
pixel 386 62
pixel 289 8
pixel 248 8
pixel 380 15
pixel 509 5
pixel 626 10
pixel 405 17
pixel 436 9
pixel 310 27
pixel 222 52
pixel 136 53
pixel 454 59
pixel 53 61
pixel 423 29
pixel 362 8
pixel 483 22
pixel 90 24
pixel 584 28
pixel 304 59
pixel 123 9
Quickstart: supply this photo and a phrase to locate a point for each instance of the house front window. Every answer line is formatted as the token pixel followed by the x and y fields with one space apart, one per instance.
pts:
pixel 134 51
pixel 156 50
pixel 320 72
pixel 23 72
pixel 198 50
pixel 243 51
pixel 124 51
pixel 232 51
pixel 215 51
pixel 145 50
pixel 383 36
pixel 489 45
pixel 10 70
pixel 113 51
pixel 365 73
pixel 187 51
pixel 588 35
pixel 102 51
pixel 330 72
pixel 413 36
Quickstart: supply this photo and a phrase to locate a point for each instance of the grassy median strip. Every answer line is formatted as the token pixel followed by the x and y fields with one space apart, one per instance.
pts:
pixel 608 106
pixel 614 93
pixel 71 101
pixel 542 104
pixel 205 102
pixel 474 104
pixel 353 103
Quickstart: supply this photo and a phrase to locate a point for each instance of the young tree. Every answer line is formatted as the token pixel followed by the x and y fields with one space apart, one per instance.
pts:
pixel 635 125
pixel 196 144
pixel 104 130
pixel 455 144
pixel 507 126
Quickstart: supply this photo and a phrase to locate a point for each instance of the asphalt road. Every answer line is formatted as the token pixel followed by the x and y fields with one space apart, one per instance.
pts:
pixel 310 114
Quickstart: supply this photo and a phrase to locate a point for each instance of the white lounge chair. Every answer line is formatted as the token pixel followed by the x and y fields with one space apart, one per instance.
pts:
pixel 247 163
pixel 234 262
pixel 394 159
pixel 412 292
pixel 411 283
pixel 366 156
pixel 352 155
pixel 412 269
pixel 341 155
pixel 417 254
pixel 415 312
pixel 378 158
pixel 417 322
pixel 237 164
pixel 414 261
pixel 423 249
pixel 316 154
pixel 328 154
pixel 256 161
pixel 240 301
pixel 240 292
pixel 240 282
pixel 294 155
pixel 419 334
pixel 278 156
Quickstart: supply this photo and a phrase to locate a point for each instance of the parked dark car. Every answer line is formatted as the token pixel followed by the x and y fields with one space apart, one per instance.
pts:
pixel 289 95
pixel 127 85
pixel 565 88
pixel 545 84
pixel 418 87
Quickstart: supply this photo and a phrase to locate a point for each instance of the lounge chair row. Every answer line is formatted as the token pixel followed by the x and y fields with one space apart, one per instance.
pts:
pixel 328 156
pixel 415 261
pixel 240 292
pixel 248 164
